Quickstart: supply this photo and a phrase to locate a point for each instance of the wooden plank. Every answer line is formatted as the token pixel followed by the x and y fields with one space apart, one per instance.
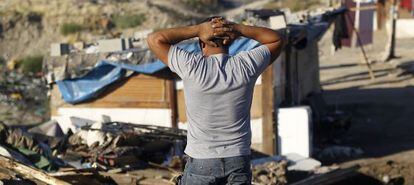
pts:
pixel 139 91
pixel 182 116
pixel 269 143
pixel 256 110
pixel 29 172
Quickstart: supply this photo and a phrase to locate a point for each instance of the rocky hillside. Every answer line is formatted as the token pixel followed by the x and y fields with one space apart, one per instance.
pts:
pixel 28 27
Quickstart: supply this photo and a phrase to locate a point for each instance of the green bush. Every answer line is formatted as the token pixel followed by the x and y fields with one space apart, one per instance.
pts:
pixel 70 28
pixel 31 64
pixel 129 21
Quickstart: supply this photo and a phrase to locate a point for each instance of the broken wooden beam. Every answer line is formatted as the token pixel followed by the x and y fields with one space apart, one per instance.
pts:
pixel 29 172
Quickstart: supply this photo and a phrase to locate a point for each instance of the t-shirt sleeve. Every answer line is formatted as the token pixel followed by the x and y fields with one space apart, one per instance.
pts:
pixel 181 61
pixel 256 60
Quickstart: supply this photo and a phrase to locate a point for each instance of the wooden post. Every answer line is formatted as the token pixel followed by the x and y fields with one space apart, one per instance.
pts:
pixel 381 14
pixel 172 95
pixel 269 134
pixel 394 15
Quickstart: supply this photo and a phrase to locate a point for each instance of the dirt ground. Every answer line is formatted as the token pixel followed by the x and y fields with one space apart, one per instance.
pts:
pixel 381 109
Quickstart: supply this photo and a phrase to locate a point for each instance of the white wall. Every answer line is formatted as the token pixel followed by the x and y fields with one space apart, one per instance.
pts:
pixel 159 117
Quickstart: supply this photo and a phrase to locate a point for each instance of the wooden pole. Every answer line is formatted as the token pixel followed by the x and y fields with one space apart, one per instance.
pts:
pixel 269 131
pixel 29 172
pixel 172 95
pixel 381 14
pixel 371 73
pixel 394 16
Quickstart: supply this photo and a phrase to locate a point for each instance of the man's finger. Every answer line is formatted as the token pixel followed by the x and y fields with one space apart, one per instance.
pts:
pixel 220 34
pixel 220 24
pixel 223 29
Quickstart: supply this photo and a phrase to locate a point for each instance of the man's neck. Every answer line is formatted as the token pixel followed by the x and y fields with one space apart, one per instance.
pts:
pixel 215 51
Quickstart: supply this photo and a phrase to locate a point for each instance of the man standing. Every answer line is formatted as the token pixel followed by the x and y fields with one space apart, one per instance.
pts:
pixel 218 90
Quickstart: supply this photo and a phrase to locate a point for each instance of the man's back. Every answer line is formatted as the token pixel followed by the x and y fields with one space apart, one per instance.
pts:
pixel 218 92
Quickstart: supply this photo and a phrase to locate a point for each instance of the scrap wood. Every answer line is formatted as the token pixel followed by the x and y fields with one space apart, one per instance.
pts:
pixel 373 7
pixel 156 181
pixel 361 46
pixel 331 177
pixel 68 173
pixel 29 172
pixel 123 178
pixel 175 172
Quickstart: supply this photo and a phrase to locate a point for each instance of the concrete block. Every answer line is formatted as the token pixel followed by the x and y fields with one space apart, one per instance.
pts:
pixel 277 22
pixel 305 165
pixel 111 45
pixel 294 131
pixel 59 49
pixel 142 34
pixel 301 163
pixel 79 45
pixel 114 45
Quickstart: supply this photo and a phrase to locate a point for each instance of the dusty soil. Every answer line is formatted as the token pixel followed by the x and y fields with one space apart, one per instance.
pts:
pixel 381 109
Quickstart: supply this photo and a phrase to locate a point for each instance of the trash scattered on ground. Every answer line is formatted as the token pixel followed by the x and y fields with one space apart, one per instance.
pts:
pixel 112 153
pixel 270 173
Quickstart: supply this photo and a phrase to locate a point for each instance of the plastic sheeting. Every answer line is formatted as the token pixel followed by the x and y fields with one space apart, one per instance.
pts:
pixel 105 73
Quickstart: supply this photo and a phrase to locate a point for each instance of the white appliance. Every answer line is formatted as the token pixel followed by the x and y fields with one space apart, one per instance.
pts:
pixel 295 131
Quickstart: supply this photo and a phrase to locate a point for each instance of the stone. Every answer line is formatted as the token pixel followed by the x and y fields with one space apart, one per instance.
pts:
pixel 142 34
pixel 59 49
pixel 79 45
pixel 301 163
pixel 114 45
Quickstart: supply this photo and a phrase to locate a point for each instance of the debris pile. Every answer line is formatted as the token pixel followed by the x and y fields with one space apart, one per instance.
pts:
pixel 119 144
pixel 270 173
pixel 112 153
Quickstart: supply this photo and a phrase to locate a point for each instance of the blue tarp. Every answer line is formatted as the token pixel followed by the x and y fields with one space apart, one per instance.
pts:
pixel 87 87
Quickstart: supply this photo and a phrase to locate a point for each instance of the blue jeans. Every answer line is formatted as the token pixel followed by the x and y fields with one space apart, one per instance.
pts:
pixel 226 171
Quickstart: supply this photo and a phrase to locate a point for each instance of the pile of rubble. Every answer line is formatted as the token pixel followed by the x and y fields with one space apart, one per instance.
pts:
pixel 270 173
pixel 125 153
pixel 111 153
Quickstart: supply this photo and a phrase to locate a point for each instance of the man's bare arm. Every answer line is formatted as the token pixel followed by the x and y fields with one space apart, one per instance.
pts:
pixel 160 42
pixel 265 36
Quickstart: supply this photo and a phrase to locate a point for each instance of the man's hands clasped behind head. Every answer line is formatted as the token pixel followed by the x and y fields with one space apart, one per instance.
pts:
pixel 218 32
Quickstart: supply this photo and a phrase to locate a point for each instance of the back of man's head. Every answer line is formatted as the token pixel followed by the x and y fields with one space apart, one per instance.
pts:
pixel 219 41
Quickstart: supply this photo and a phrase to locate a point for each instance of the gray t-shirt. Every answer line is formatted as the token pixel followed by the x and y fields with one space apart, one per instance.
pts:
pixel 218 92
